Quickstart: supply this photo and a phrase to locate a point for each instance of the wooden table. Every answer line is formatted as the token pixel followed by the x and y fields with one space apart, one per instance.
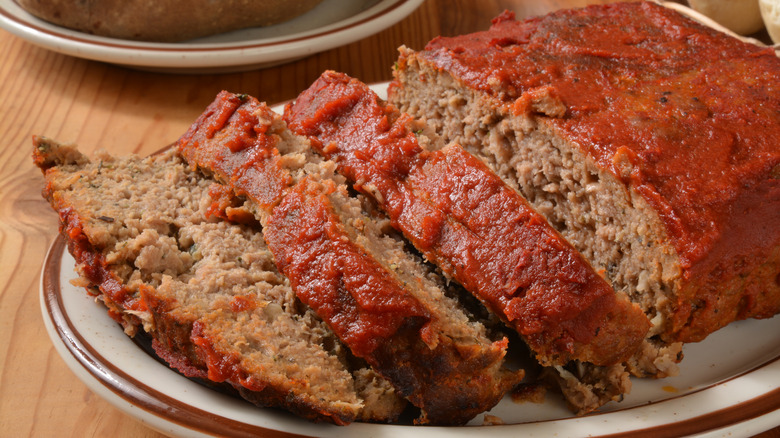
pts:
pixel 127 111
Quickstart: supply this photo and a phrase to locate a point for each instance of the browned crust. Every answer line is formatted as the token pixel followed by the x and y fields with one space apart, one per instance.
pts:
pixel 711 301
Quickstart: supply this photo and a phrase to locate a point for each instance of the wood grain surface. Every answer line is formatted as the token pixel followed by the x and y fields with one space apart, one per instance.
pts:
pixel 128 111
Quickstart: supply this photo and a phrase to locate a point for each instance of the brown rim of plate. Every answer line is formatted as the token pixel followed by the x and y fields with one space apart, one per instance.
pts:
pixel 180 413
pixel 118 43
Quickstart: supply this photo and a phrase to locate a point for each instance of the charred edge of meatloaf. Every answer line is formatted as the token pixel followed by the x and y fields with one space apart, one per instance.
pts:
pixel 211 296
pixel 588 206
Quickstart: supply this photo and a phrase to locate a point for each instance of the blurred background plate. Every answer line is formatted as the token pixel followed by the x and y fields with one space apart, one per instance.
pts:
pixel 331 24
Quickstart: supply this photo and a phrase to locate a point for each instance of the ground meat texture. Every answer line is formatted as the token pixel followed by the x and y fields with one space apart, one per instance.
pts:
pixel 476 228
pixel 647 140
pixel 384 303
pixel 206 290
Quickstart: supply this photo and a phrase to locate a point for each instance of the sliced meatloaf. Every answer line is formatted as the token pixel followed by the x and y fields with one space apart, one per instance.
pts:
pixel 475 227
pixel 206 290
pixel 649 141
pixel 346 263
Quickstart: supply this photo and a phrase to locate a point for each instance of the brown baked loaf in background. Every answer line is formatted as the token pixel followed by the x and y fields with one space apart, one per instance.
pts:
pixel 648 140
pixel 164 20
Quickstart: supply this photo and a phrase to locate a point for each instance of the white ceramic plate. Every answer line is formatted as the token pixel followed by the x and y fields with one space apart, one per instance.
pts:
pixel 330 24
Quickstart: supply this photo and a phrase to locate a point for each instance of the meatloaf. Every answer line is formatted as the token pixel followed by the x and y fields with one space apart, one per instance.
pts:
pixel 648 140
pixel 476 228
pixel 206 290
pixel 344 261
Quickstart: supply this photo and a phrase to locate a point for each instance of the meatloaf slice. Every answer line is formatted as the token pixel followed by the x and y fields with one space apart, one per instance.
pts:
pixel 475 227
pixel 648 140
pixel 206 290
pixel 344 261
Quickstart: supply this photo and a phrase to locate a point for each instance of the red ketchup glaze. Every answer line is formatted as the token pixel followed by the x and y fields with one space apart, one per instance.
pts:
pixel 229 138
pixel 221 367
pixel 685 116
pixel 357 297
pixel 241 303
pixel 362 302
pixel 463 217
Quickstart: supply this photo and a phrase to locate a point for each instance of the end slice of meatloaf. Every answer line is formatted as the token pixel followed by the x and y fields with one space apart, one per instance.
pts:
pixel 206 290
pixel 342 259
pixel 476 228
pixel 648 140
